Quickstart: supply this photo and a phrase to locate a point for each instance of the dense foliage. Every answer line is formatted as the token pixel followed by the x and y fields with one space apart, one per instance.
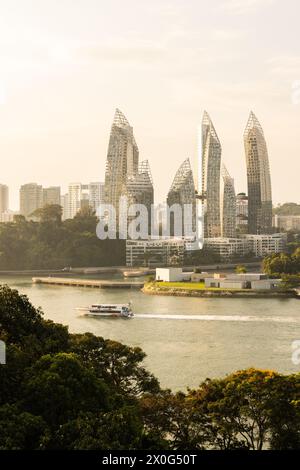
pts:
pixel 288 208
pixel 48 243
pixel 282 263
pixel 66 391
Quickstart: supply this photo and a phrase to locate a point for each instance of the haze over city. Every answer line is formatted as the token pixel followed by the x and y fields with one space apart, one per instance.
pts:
pixel 66 67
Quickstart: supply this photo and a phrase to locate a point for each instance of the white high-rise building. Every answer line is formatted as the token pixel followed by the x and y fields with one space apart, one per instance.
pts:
pixel 51 195
pixel 82 195
pixel 74 199
pixel 4 198
pixel 64 202
pixel 31 198
pixel 96 195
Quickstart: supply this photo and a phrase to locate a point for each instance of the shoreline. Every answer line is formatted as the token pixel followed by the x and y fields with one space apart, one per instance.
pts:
pixel 151 289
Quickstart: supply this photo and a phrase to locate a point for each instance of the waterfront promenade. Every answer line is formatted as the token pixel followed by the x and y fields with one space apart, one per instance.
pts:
pixel 96 283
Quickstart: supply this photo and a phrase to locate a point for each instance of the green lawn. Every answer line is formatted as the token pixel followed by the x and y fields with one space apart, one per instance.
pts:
pixel 194 286
pixel 183 285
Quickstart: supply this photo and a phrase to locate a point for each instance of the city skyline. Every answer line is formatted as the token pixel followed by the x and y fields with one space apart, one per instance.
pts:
pixel 14 192
pixel 123 169
pixel 60 81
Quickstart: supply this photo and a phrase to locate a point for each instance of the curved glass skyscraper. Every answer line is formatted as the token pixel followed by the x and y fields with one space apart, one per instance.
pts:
pixel 259 179
pixel 122 159
pixel 182 192
pixel 228 205
pixel 210 154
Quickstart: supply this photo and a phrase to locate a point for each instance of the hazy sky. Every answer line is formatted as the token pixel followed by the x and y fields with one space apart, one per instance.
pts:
pixel 65 65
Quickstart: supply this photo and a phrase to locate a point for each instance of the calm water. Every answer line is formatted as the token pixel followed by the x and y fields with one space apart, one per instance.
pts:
pixel 186 339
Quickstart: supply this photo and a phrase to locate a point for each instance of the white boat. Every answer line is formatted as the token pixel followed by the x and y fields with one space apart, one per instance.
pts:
pixel 108 310
pixel 137 273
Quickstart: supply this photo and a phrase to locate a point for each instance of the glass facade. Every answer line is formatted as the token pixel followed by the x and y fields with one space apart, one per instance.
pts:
pixel 259 179
pixel 122 159
pixel 211 151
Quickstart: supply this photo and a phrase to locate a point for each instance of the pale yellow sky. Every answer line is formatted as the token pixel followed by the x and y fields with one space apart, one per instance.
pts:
pixel 65 65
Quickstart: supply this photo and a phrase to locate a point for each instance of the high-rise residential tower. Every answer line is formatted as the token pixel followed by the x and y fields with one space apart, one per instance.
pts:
pixel 209 177
pixel 259 179
pixel 182 192
pixel 122 159
pixel 31 198
pixel 75 196
pixel 227 205
pixel 3 198
pixel 96 195
pixel 51 195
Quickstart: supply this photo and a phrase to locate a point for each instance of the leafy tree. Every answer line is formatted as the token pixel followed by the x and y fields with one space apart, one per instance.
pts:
pixel 64 391
pixel 59 387
pixel 20 430
pixel 239 408
pixel 22 324
pixel 49 243
pixel 119 429
pixel 118 365
pixel 240 269
pixel 50 213
pixel 281 263
pixel 288 208
pixel 172 421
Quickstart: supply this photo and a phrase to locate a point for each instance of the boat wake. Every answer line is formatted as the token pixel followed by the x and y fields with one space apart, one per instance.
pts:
pixel 236 318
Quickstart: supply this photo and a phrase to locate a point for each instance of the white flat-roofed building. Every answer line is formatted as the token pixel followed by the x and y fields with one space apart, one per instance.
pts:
pixel 225 283
pixel 171 275
pixel 255 281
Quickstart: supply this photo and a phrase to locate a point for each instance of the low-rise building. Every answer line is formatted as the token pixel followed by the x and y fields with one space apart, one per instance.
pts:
pixel 248 277
pixel 264 245
pixel 172 275
pixel 266 284
pixel 255 281
pixel 225 283
pixel 258 246
pixel 154 252
pixel 199 277
pixel 227 248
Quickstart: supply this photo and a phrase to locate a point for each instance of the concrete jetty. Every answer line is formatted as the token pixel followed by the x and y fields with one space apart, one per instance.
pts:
pixel 100 284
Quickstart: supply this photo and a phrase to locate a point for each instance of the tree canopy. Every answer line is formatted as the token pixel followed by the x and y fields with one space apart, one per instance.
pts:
pixel 48 243
pixel 65 391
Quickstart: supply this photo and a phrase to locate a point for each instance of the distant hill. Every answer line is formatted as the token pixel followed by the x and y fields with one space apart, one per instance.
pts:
pixel 288 208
